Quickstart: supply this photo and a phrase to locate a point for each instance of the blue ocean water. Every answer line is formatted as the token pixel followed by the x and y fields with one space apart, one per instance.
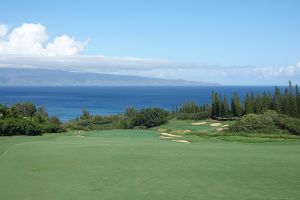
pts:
pixel 67 102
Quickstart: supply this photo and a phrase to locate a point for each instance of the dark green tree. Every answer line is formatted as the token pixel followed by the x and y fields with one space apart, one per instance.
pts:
pixel 292 105
pixel 220 106
pixel 298 100
pixel 258 104
pixel 285 102
pixel 150 117
pixel 248 105
pixel 276 100
pixel 214 105
pixel 236 106
pixel 25 109
pixel 85 115
pixel 225 107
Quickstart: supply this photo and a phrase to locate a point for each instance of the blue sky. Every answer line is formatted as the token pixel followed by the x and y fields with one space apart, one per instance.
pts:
pixel 214 34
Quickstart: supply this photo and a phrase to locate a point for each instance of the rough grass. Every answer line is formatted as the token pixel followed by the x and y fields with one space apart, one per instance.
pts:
pixel 207 131
pixel 135 164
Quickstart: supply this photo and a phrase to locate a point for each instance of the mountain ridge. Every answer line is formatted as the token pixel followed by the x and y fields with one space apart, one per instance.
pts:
pixel 47 77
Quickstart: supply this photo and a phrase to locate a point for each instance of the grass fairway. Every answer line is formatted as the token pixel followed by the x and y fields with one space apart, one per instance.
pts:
pixel 129 164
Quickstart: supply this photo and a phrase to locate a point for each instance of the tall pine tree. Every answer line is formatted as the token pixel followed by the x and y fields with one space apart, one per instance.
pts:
pixel 236 107
pixel 258 104
pixel 248 105
pixel 292 106
pixel 298 100
pixel 225 107
pixel 276 100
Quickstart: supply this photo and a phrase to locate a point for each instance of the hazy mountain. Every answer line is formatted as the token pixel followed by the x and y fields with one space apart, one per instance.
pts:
pixel 43 77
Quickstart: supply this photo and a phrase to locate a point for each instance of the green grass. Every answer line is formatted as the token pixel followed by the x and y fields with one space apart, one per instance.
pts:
pixel 198 132
pixel 135 164
pixel 182 125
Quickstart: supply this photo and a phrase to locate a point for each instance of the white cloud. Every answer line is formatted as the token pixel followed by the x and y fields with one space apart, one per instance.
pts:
pixel 88 63
pixel 290 71
pixel 3 30
pixel 65 45
pixel 28 46
pixel 31 39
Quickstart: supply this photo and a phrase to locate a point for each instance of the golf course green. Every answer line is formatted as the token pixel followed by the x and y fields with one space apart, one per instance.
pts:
pixel 138 164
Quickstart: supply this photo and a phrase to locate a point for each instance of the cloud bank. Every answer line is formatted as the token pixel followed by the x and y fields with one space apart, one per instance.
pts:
pixel 32 39
pixel 28 46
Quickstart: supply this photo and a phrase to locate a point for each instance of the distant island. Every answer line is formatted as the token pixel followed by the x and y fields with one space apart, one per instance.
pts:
pixel 46 77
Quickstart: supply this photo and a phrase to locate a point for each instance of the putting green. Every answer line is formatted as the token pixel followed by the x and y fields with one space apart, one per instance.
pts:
pixel 129 164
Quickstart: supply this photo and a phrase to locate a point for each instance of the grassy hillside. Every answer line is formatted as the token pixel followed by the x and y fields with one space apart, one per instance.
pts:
pixel 135 164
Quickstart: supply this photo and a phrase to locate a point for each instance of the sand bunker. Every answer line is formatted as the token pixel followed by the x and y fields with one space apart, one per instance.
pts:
pixel 183 141
pixel 225 125
pixel 219 129
pixel 215 124
pixel 187 131
pixel 169 135
pixel 198 123
pixel 165 137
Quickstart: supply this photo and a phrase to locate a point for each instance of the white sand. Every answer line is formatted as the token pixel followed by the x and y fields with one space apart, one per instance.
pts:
pixel 165 137
pixel 216 124
pixel 198 123
pixel 170 135
pixel 183 141
pixel 187 131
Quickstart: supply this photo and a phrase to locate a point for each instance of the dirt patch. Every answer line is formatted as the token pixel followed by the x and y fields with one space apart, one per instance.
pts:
pixel 198 123
pixel 169 135
pixel 216 124
pixel 183 141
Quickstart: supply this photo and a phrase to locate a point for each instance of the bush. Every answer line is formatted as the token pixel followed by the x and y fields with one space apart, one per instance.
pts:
pixel 194 116
pixel 289 123
pixel 26 119
pixel 140 127
pixel 255 123
pixel 19 126
pixel 150 117
pixel 52 128
pixel 268 122
pixel 89 122
pixel 25 109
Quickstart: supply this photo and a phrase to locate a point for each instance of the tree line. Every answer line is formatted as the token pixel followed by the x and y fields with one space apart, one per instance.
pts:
pixel 287 102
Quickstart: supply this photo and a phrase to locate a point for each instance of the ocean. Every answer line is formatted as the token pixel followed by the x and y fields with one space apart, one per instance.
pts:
pixel 68 102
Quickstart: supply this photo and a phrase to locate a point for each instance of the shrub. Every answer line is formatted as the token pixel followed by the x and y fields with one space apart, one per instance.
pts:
pixel 97 122
pixel 150 117
pixel 25 109
pixel 140 127
pixel 25 119
pixel 19 126
pixel 194 116
pixel 254 123
pixel 289 123
pixel 52 128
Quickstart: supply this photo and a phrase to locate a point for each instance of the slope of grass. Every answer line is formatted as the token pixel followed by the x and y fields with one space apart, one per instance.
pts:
pixel 130 164
pixel 182 125
pixel 192 132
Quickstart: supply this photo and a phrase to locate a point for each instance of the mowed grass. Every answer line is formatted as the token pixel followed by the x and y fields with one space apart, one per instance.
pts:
pixel 134 164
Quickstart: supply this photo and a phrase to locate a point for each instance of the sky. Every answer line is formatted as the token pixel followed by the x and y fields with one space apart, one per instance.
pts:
pixel 232 42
